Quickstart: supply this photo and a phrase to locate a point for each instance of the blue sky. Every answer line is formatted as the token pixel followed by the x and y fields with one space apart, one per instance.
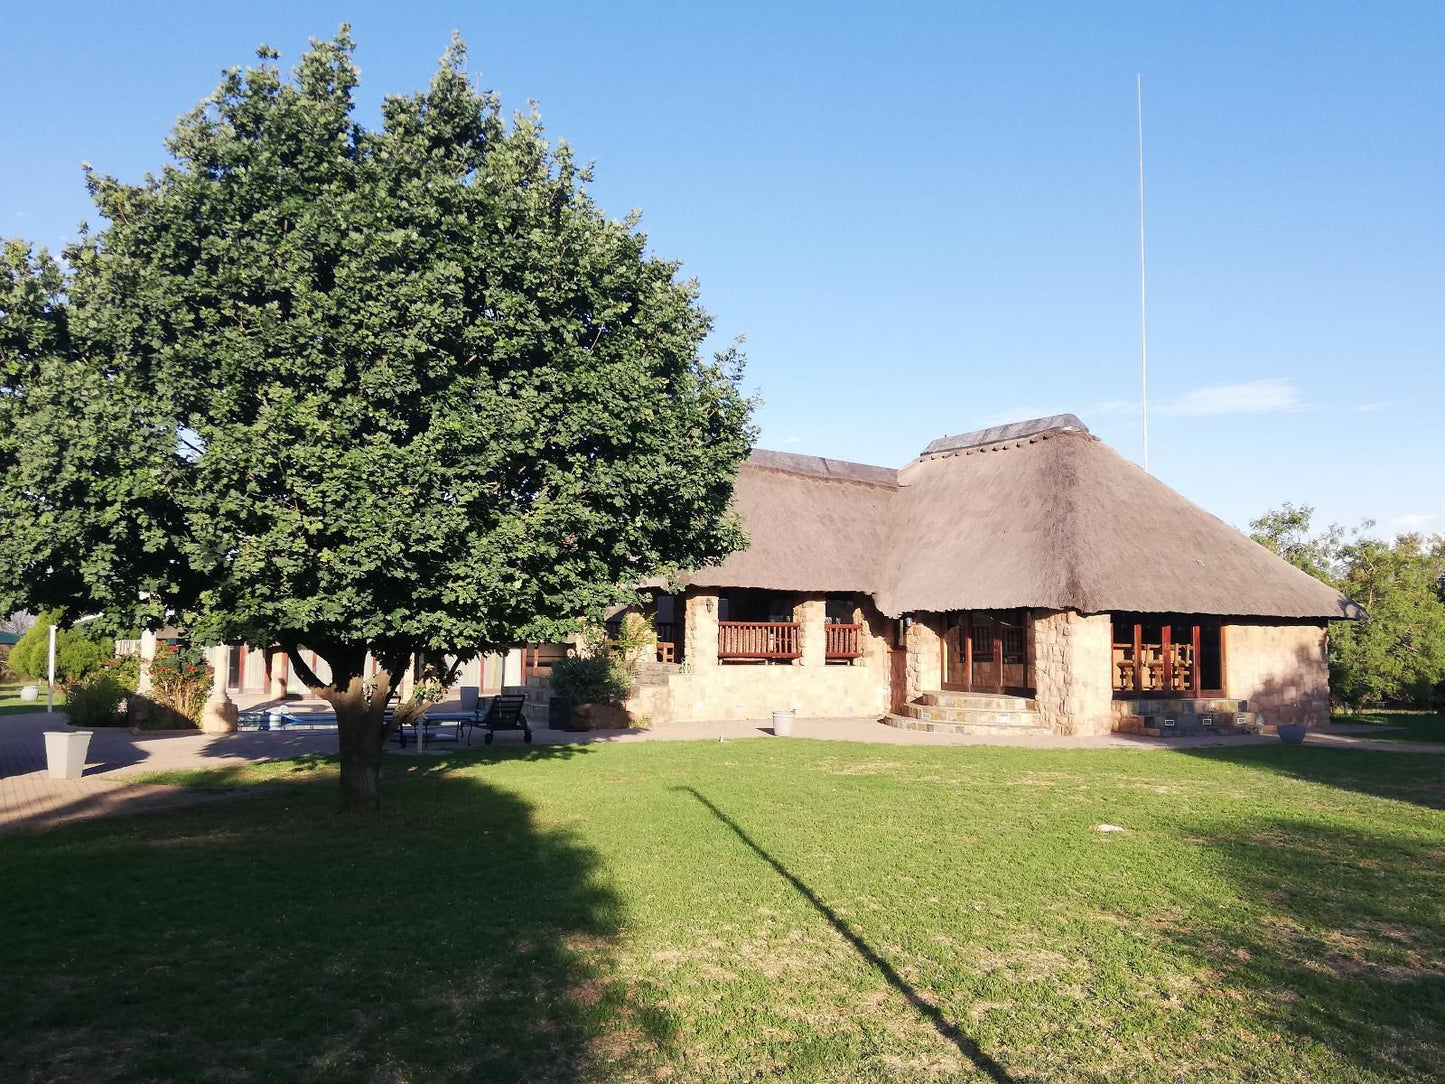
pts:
pixel 924 217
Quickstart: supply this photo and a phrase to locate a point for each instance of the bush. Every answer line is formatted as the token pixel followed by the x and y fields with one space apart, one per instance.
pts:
pixel 95 701
pixel 77 654
pixel 178 686
pixel 591 679
pixel 125 669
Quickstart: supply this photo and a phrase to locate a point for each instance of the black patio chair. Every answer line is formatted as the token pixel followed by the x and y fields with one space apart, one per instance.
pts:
pixel 503 713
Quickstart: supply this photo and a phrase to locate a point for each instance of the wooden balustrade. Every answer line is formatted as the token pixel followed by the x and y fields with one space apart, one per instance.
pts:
pixel 843 641
pixel 758 640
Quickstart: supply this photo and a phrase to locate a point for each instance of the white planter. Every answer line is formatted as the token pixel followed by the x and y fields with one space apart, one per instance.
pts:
pixel 29 693
pixel 65 753
pixel 783 723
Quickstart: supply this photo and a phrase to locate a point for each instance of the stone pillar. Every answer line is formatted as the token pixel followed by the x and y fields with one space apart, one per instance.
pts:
pixel 219 714
pixel 147 656
pixel 811 614
pixel 1073 656
pixel 924 641
pixel 277 667
pixel 701 629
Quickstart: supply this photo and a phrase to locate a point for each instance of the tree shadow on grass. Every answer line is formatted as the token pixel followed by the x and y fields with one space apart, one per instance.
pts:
pixel 1349 950
pixel 1418 778
pixel 454 938
pixel 925 1008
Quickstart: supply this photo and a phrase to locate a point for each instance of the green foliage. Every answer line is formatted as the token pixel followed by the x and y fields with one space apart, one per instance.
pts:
pixel 95 700
pixel 591 679
pixel 179 687
pixel 126 670
pixel 78 653
pixel 1396 655
pixel 400 389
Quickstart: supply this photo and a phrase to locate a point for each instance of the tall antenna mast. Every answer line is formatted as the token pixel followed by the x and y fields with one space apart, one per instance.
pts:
pixel 1143 295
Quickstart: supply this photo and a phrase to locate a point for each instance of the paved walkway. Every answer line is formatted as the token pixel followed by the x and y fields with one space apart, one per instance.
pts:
pixel 30 799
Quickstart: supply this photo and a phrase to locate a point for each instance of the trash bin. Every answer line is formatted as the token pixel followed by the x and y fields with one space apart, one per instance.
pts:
pixel 783 723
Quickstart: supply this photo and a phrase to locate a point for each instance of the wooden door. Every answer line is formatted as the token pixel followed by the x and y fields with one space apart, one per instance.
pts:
pixel 897 679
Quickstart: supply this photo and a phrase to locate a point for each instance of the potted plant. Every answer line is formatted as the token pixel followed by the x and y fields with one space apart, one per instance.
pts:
pixel 594 686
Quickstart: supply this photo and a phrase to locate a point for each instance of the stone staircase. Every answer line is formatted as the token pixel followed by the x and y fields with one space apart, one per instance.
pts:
pixel 970 713
pixel 1185 718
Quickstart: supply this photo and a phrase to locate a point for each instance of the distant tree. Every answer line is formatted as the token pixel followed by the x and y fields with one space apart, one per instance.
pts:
pixel 19 622
pixel 1286 530
pixel 78 651
pixel 1396 655
pixel 392 391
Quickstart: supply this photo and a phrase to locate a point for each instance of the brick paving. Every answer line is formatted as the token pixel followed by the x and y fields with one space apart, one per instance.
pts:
pixel 30 800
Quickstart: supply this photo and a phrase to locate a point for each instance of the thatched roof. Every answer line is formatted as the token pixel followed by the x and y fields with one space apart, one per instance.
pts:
pixel 1039 514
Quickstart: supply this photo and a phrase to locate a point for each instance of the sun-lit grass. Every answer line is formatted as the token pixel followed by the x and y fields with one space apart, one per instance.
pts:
pixel 11 704
pixel 766 909
pixel 1401 726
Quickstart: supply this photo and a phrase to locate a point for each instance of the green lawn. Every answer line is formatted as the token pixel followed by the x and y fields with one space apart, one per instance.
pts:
pixel 768 909
pixel 11 704
pixel 1414 726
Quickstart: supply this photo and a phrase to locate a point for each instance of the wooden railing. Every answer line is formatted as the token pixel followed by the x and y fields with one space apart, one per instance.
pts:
pixel 757 640
pixel 843 641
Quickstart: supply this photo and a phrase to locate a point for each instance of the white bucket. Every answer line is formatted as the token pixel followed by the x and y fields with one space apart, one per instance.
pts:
pixel 783 723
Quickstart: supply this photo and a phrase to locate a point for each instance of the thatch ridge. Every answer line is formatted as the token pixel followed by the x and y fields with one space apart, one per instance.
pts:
pixel 1050 518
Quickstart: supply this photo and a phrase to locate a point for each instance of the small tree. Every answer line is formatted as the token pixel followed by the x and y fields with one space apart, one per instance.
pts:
pixel 367 391
pixel 1396 654
pixel 77 653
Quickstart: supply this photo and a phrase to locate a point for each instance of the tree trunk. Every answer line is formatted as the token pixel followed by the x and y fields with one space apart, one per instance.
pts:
pixel 360 734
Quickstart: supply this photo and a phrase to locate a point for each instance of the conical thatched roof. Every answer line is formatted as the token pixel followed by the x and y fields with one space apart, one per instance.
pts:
pixel 1039 514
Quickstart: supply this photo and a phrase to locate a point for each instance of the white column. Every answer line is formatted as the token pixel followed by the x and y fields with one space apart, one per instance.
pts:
pixel 219 714
pixel 147 656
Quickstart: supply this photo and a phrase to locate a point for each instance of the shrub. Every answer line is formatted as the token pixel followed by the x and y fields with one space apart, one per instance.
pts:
pixel 178 686
pixel 591 679
pixel 95 701
pixel 77 653
pixel 125 669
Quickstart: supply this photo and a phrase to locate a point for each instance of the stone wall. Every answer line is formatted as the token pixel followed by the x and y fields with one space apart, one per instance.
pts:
pixel 810 685
pixel 1282 670
pixel 1072 656
pixel 924 641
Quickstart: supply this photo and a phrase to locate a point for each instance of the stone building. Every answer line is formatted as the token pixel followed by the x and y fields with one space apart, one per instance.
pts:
pixel 1021 577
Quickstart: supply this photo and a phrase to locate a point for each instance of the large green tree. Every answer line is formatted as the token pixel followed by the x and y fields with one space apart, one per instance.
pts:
pixel 364 390
pixel 1396 654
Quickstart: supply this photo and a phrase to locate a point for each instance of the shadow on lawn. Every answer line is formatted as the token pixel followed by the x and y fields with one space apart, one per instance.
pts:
pixel 925 1008
pixel 454 938
pixel 1349 952
pixel 1418 778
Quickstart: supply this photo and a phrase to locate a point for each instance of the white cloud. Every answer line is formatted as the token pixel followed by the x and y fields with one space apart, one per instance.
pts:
pixel 1372 408
pixel 791 440
pixel 1251 397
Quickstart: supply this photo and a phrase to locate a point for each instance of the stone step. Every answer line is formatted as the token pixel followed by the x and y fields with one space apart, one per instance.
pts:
pixel 1189 724
pixel 977 701
pixel 933 726
pixel 1182 706
pixel 969 716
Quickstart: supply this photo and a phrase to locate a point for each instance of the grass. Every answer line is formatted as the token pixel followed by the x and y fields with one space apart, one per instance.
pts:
pixel 766 909
pixel 1401 726
pixel 11 704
